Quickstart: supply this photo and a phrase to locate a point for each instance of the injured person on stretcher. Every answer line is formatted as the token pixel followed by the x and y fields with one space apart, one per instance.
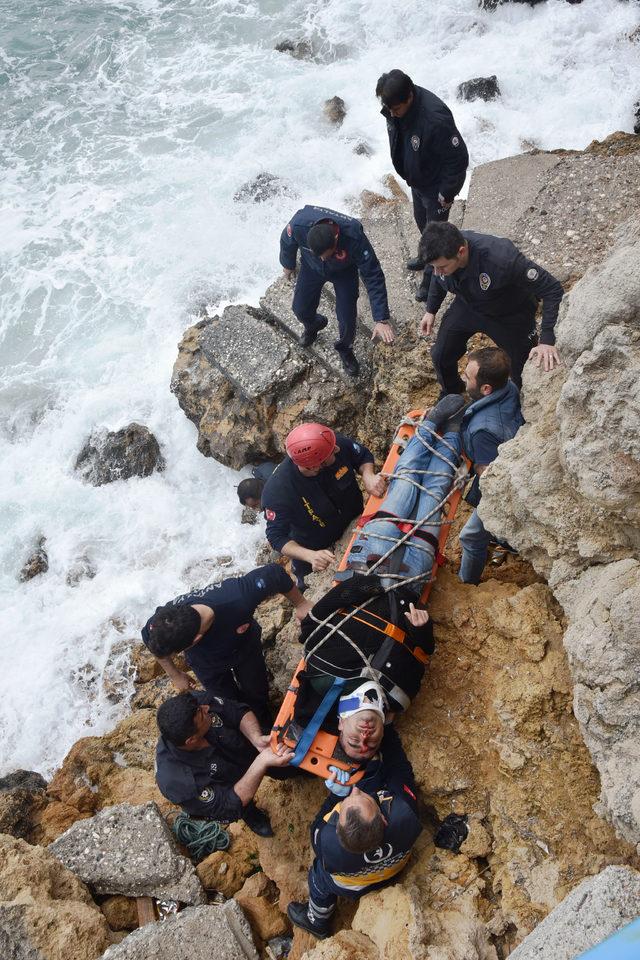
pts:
pixel 369 637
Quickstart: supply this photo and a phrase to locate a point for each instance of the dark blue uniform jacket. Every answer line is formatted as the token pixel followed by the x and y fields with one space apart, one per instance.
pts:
pixel 354 252
pixel 427 149
pixel 499 282
pixel 234 602
pixel 315 511
pixel 487 423
pixel 201 781
pixel 392 784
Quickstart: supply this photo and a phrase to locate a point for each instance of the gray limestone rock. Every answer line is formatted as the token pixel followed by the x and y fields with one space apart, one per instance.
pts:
pixel 598 907
pixel 129 850
pixel 479 88
pixel 263 187
pixel 197 933
pixel 132 451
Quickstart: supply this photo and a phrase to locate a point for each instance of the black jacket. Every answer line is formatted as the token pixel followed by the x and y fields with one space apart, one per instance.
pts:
pixel 501 283
pixel 427 149
pixel 315 511
pixel 201 781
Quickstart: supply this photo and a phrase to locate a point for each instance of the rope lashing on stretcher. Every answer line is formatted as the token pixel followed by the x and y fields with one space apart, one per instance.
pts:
pixel 459 479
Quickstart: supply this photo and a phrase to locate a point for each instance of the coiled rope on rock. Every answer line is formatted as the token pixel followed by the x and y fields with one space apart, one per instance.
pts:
pixel 200 837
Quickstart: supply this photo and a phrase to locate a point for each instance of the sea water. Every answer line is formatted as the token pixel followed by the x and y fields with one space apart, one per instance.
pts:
pixel 126 130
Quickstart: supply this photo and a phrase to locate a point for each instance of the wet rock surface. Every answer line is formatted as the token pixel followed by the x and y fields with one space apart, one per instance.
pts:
pixel 21 801
pixel 335 110
pixel 128 850
pixel 37 562
pixel 263 187
pixel 598 907
pixel 107 455
pixel 479 88
pixel 197 933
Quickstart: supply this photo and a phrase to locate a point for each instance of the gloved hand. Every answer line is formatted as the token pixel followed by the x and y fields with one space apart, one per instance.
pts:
pixel 336 782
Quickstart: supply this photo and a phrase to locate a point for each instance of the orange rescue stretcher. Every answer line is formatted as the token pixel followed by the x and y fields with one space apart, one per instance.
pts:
pixel 324 750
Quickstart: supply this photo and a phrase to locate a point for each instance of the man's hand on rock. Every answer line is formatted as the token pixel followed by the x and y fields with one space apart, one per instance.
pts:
pixel 183 682
pixel 547 355
pixel 444 204
pixel 384 331
pixel 289 274
pixel 375 484
pixel 426 324
pixel 321 559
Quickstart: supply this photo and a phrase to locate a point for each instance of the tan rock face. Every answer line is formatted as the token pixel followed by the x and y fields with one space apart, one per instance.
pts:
pixel 45 908
pixel 259 900
pixel 121 913
pixel 225 871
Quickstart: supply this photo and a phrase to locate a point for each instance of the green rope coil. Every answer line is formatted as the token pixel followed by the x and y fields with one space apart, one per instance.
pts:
pixel 200 837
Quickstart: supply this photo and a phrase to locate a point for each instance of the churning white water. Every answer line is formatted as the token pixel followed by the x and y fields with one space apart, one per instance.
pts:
pixel 127 127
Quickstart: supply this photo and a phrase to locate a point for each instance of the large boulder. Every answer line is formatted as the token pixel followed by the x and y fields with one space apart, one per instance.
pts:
pixel 197 933
pixel 22 798
pixel 132 451
pixel 46 913
pixel 598 907
pixel 129 850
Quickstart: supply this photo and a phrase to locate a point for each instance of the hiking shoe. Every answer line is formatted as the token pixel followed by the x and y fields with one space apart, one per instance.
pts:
pixel 310 334
pixel 422 293
pixel 350 362
pixel 257 821
pixel 300 917
pixel 447 412
pixel 416 263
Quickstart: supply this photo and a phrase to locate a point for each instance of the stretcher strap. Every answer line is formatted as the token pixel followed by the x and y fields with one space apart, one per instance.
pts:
pixel 310 731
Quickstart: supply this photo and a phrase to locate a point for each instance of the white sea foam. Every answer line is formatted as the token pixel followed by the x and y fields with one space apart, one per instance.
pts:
pixel 126 130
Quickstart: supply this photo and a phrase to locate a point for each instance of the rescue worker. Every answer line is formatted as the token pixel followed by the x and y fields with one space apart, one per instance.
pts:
pixel 497 290
pixel 362 841
pixel 313 495
pixel 250 489
pixel 211 758
pixel 427 150
pixel 492 418
pixel 216 629
pixel 334 248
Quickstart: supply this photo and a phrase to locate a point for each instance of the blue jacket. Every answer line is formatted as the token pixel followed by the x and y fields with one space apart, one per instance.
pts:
pixel 354 253
pixel 501 283
pixel 427 149
pixel 486 424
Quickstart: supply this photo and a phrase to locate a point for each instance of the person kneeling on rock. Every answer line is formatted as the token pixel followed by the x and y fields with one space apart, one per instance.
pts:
pixel 362 841
pixel 211 758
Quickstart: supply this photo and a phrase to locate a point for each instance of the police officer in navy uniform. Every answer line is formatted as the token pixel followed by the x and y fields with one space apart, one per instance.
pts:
pixel 216 629
pixel 497 290
pixel 363 841
pixel 334 248
pixel 313 495
pixel 211 758
pixel 427 150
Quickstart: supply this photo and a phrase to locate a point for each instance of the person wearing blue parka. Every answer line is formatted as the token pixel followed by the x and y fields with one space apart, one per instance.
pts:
pixel 492 418
pixel 333 249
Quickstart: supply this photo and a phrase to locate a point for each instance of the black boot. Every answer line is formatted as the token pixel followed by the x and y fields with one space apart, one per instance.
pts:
pixel 448 412
pixel 310 334
pixel 416 263
pixel 349 362
pixel 422 293
pixel 257 820
pixel 300 916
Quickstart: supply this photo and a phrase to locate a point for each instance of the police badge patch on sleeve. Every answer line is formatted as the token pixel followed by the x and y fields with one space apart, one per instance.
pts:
pixel 485 281
pixel 270 514
pixel 415 142
pixel 532 274
pixel 455 141
pixel 289 230
pixel 207 795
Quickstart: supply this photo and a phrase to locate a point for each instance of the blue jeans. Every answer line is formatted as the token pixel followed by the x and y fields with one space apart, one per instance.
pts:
pixel 475 542
pixel 407 501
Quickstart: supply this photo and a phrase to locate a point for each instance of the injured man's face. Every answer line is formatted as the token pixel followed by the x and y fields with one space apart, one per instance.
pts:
pixel 361 734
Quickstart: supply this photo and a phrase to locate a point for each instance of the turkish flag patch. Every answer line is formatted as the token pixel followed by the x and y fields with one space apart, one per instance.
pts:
pixel 289 230
pixel 270 515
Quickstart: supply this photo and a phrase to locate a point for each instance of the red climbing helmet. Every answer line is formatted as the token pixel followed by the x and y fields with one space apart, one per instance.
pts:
pixel 309 444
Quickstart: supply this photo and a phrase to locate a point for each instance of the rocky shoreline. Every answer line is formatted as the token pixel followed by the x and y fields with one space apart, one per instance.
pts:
pixel 528 717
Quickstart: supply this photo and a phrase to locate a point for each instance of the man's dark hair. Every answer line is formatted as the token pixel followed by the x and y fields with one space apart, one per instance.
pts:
pixel 173 629
pixel 358 835
pixel 175 718
pixel 440 239
pixel 321 237
pixel 494 366
pixel 394 87
pixel 250 488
